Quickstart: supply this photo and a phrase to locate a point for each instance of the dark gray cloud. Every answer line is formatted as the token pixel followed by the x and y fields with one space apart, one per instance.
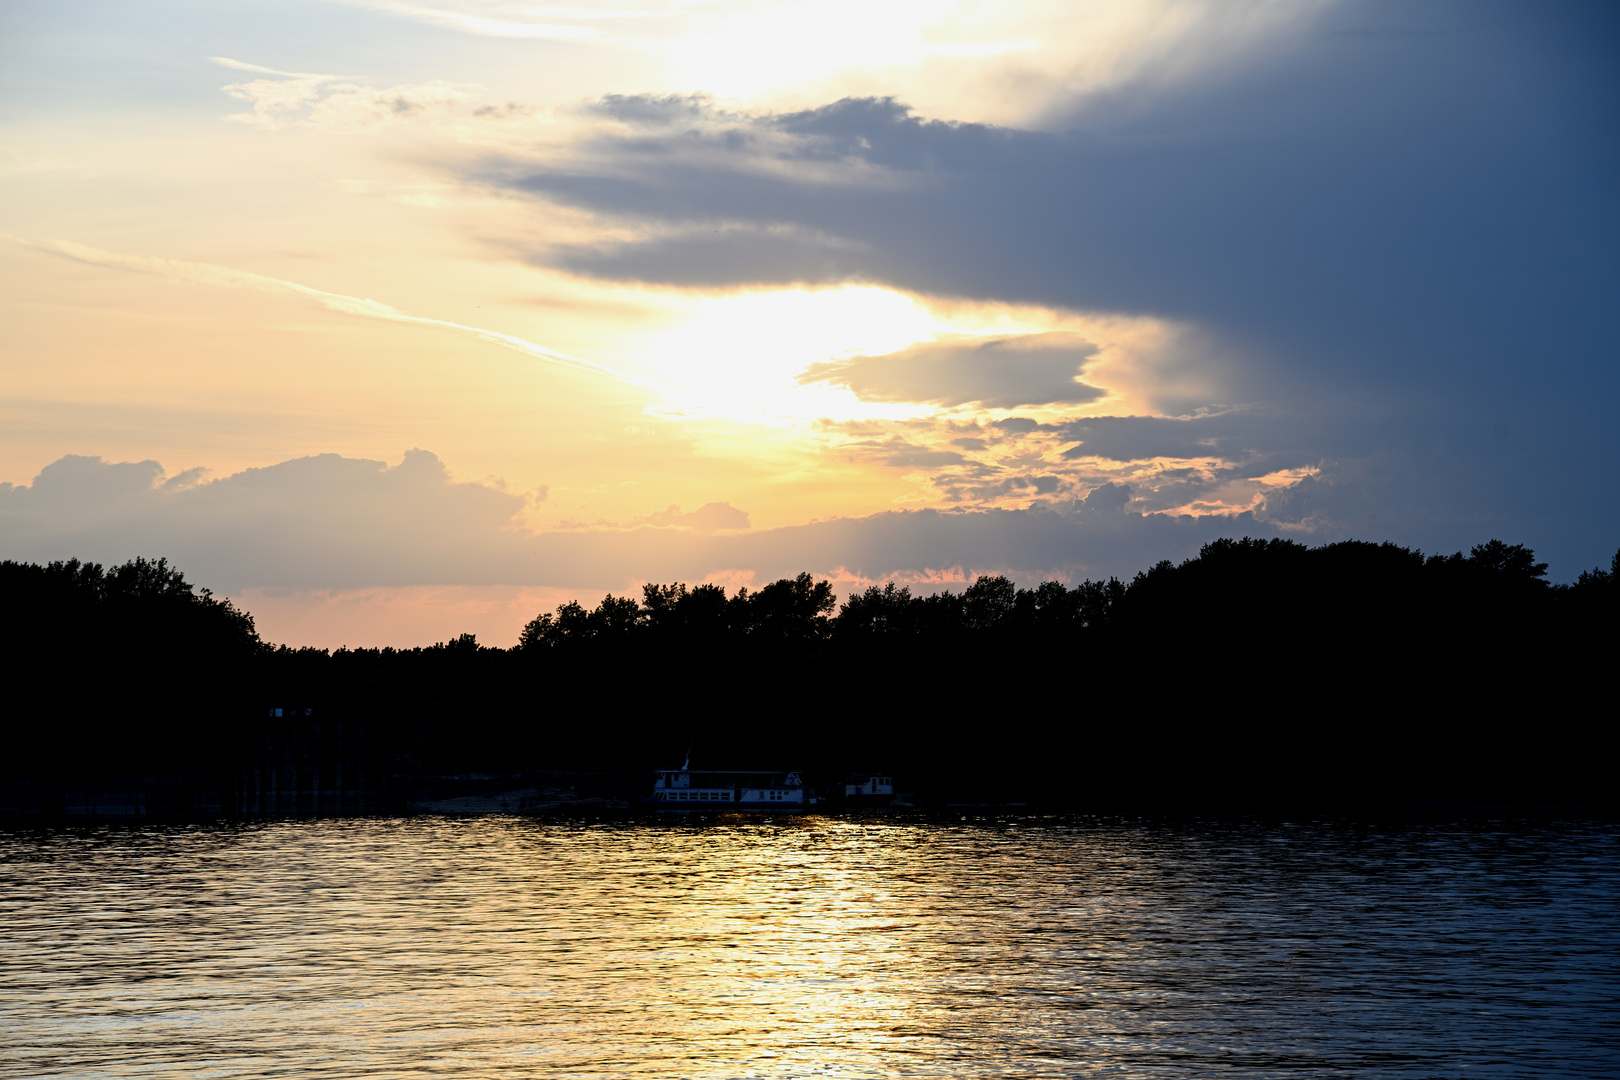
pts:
pixel 655 111
pixel 1018 425
pixel 1371 185
pixel 1408 217
pixel 1109 497
pixel 1265 438
pixel 999 373
pixel 723 256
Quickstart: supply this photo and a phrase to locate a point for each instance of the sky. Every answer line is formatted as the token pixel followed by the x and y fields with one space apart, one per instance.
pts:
pixel 397 320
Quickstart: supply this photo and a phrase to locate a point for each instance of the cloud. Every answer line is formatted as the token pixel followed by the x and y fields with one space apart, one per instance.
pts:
pixel 322 520
pixel 1019 425
pixel 353 108
pixel 706 256
pixel 226 277
pixel 330 522
pixel 503 20
pixel 900 453
pixel 1371 213
pixel 333 523
pixel 1228 437
pixel 710 517
pixel 333 105
pixel 1380 245
pixel 1012 58
pixel 1109 497
pixel 999 373
pixel 239 65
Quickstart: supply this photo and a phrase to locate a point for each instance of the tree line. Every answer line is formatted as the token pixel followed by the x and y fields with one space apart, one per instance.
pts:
pixel 1232 580
pixel 1340 657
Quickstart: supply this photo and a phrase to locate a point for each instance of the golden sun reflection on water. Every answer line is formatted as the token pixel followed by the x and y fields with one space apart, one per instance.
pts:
pixel 809 947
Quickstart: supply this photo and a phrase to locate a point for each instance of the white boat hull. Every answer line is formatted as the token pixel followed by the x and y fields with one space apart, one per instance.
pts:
pixel 680 791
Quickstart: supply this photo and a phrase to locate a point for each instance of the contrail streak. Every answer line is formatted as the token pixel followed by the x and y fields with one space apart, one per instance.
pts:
pixel 225 277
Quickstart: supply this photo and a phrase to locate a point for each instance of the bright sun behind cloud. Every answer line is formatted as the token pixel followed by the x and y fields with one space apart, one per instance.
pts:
pixel 736 356
pixel 743 355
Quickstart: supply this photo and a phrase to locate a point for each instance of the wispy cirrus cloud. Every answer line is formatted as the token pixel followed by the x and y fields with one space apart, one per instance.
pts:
pixel 226 277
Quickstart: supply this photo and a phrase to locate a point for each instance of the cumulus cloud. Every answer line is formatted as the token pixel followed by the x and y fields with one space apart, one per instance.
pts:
pixel 322 520
pixel 1221 463
pixel 335 523
pixel 999 373
pixel 329 522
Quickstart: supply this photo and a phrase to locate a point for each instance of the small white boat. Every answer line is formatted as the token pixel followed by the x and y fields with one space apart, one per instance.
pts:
pixel 683 791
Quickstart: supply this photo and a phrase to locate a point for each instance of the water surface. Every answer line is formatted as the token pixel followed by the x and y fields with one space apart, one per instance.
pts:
pixel 812 947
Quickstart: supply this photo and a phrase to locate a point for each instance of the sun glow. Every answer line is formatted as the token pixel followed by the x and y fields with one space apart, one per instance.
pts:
pixel 739 355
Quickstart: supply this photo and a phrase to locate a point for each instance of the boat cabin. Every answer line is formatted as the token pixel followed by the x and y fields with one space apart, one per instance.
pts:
pixel 882 786
pixel 685 791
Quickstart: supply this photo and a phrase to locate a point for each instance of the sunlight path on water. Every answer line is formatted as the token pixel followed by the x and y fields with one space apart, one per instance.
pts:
pixel 815 947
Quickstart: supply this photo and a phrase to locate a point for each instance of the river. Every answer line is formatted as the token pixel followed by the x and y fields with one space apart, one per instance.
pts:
pixel 814 947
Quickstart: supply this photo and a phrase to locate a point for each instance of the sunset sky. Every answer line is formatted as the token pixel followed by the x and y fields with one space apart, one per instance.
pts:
pixel 394 320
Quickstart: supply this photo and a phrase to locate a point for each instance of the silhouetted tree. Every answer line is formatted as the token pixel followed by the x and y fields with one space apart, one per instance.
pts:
pixel 988 602
pixel 133 667
pixel 791 609
pixel 877 612
pixel 1512 562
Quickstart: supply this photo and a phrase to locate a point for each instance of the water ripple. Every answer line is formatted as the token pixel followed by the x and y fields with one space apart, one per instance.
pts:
pixel 814 947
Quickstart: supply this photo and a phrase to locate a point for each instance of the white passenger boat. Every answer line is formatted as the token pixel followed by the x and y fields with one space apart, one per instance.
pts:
pixel 868 790
pixel 683 791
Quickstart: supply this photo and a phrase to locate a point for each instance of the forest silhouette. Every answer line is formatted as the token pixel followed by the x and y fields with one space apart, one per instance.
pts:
pixel 1259 672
